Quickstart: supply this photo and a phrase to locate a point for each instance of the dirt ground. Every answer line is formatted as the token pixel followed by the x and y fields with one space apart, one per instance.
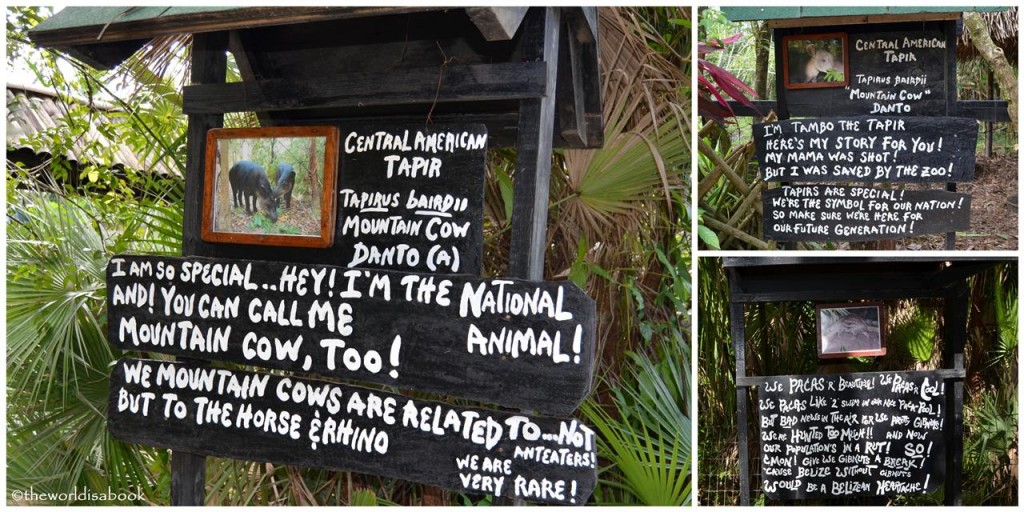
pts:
pixel 303 218
pixel 994 210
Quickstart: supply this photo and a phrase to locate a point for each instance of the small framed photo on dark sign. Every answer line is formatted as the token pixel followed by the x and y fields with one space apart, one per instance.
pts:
pixel 851 330
pixel 271 186
pixel 815 61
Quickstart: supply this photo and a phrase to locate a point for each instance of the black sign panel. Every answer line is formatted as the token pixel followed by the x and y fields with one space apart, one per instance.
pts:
pixel 521 344
pixel 867 149
pixel 830 212
pixel 895 70
pixel 411 199
pixel 287 420
pixel 862 434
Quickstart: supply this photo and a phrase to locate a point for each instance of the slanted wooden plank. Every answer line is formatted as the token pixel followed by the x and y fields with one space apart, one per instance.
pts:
pixel 533 161
pixel 867 149
pixel 831 213
pixel 401 87
pixel 510 342
pixel 303 422
pixel 907 409
pixel 497 23
pixel 982 110
pixel 246 69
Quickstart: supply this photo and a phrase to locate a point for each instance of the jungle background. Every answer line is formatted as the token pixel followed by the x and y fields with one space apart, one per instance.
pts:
pixel 782 340
pixel 618 227
pixel 736 62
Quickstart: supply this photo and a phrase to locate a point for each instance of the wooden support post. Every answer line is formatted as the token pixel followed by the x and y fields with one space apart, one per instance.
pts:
pixel 533 162
pixel 955 323
pixel 781 107
pixel 209 65
pixel 739 346
pixel 737 330
pixel 949 31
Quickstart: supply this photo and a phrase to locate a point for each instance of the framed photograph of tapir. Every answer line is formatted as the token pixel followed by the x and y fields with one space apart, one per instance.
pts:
pixel 815 61
pixel 271 186
pixel 851 330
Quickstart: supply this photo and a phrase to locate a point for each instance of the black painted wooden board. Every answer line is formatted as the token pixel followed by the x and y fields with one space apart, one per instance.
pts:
pixel 419 338
pixel 411 198
pixel 867 149
pixel 860 434
pixel 472 83
pixel 324 425
pixel 459 165
pixel 831 212
pixel 912 82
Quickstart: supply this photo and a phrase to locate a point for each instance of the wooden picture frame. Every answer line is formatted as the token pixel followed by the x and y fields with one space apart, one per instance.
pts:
pixel 813 61
pixel 271 186
pixel 850 329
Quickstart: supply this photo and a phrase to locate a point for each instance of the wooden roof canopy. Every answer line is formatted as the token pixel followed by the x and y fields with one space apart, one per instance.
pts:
pixel 1002 21
pixel 304 65
pixel 840 279
pixel 778 17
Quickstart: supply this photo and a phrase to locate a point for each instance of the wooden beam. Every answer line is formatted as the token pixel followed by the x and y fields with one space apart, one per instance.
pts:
pixel 738 333
pixel 571 110
pixel 205 21
pixel 753 381
pixel 982 110
pixel 245 68
pixel 579 84
pixel 497 23
pixel 862 19
pixel 209 65
pixel 954 314
pixel 479 82
pixel 533 161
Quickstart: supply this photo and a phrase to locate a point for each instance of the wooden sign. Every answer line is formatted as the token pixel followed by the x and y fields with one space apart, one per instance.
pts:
pixel 867 149
pixel 862 434
pixel 411 198
pixel 521 344
pixel 288 420
pixel 830 212
pixel 901 71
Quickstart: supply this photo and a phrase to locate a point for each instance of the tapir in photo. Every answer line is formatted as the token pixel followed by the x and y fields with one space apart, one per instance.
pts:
pixel 285 184
pixel 250 189
pixel 820 62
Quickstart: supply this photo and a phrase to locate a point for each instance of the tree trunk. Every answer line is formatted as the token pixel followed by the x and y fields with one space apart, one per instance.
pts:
pixel 762 45
pixel 996 60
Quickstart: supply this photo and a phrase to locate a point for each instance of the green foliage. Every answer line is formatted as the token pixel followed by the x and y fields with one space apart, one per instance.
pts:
pixel 646 435
pixel 1005 300
pixel 57 355
pixel 990 448
pixel 833 75
pixel 914 334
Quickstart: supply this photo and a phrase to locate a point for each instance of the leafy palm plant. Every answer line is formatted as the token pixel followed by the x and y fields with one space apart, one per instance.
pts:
pixel 645 436
pixel 57 354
